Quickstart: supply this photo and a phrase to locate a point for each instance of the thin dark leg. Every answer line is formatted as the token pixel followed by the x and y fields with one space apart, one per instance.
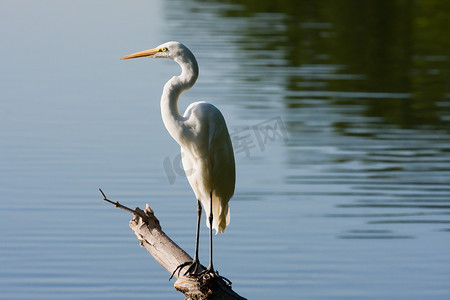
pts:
pixel 210 267
pixel 197 239
pixel 194 265
pixel 210 270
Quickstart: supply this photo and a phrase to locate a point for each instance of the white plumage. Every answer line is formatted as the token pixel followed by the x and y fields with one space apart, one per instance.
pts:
pixel 208 159
pixel 207 152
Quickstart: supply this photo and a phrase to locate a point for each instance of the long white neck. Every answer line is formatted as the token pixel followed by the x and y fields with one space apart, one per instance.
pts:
pixel 172 91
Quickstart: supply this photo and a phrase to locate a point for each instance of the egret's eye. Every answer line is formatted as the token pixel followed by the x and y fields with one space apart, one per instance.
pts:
pixel 163 49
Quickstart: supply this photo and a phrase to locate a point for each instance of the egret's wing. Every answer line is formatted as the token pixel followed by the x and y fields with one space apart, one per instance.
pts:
pixel 208 150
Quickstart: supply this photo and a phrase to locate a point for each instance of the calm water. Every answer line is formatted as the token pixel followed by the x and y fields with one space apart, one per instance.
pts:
pixel 339 114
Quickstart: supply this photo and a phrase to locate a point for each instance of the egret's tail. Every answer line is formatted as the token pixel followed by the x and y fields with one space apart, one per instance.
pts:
pixel 221 214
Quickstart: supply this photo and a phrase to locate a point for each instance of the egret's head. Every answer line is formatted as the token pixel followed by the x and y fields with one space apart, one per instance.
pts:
pixel 170 50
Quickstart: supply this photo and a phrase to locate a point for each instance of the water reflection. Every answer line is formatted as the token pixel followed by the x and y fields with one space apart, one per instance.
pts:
pixel 363 89
pixel 392 51
pixel 358 69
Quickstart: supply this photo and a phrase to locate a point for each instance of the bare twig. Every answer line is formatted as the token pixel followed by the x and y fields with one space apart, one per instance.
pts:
pixel 135 212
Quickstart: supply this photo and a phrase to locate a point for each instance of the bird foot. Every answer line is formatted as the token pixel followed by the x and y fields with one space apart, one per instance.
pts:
pixel 194 272
pixel 209 273
pixel 194 269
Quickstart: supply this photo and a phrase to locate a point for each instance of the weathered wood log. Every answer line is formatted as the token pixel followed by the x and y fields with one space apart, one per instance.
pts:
pixel 169 255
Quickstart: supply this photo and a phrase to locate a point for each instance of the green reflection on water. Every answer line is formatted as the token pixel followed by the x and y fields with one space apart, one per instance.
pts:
pixel 396 52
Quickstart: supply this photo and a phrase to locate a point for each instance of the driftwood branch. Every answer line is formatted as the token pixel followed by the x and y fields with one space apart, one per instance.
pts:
pixel 169 255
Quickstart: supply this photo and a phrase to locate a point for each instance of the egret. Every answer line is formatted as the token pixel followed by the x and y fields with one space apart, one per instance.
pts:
pixel 206 149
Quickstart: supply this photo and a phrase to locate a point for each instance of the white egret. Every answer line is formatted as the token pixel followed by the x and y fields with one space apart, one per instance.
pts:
pixel 207 153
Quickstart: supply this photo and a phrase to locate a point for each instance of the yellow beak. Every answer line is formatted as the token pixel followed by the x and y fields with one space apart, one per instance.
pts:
pixel 142 54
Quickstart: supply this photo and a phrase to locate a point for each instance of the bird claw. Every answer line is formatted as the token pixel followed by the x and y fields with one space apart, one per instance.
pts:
pixel 192 271
pixel 216 275
pixel 209 273
pixel 227 281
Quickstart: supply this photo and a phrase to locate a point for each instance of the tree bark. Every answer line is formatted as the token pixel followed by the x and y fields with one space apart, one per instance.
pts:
pixel 169 255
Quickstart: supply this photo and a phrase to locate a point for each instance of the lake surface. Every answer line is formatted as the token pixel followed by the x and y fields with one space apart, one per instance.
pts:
pixel 339 114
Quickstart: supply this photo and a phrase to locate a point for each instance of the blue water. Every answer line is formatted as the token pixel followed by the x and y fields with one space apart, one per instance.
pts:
pixel 341 136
